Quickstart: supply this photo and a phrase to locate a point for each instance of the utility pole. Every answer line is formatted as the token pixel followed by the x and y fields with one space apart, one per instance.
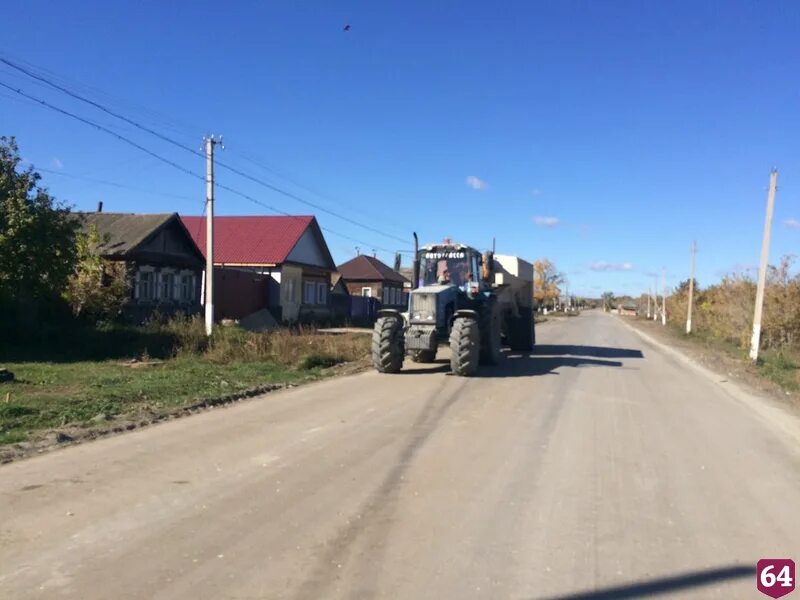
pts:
pixel 209 283
pixel 691 290
pixel 655 297
pixel 663 296
pixel 649 293
pixel 762 269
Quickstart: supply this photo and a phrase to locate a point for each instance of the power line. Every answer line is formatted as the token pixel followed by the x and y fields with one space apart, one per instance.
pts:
pixel 178 144
pixel 113 184
pixel 165 121
pixel 102 128
pixel 172 163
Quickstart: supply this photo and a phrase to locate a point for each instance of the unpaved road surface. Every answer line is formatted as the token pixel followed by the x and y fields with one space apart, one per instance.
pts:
pixel 600 467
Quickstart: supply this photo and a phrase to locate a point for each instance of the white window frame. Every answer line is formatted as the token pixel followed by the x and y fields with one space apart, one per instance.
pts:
pixel 366 292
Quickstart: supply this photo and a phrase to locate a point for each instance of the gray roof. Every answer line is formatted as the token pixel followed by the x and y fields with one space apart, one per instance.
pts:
pixel 125 231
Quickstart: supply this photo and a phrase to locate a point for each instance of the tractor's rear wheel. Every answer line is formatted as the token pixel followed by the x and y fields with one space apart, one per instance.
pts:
pixel 423 356
pixel 465 346
pixel 388 345
pixel 491 334
pixel 521 336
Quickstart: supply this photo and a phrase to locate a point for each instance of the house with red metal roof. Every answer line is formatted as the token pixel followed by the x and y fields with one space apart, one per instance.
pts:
pixel 290 253
pixel 368 276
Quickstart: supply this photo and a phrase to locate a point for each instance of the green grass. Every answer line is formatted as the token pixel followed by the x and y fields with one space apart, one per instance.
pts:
pixel 781 369
pixel 82 384
pixel 51 395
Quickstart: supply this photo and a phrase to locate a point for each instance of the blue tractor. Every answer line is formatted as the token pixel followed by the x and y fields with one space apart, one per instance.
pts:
pixel 457 299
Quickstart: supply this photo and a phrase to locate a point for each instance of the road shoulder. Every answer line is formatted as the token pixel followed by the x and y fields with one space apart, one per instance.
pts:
pixel 778 413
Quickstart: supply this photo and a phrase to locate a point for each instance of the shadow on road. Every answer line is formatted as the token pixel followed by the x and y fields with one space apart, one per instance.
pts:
pixel 545 359
pixel 595 351
pixel 664 585
pixel 529 365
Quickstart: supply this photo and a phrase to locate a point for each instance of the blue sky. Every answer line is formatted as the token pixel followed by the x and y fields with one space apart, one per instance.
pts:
pixel 602 135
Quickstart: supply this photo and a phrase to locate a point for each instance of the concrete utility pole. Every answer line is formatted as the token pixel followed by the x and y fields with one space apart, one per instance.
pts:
pixel 209 281
pixel 655 298
pixel 762 269
pixel 664 297
pixel 691 291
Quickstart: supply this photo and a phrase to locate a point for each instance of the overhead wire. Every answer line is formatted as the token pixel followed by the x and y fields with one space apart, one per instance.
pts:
pixel 113 184
pixel 196 152
pixel 172 163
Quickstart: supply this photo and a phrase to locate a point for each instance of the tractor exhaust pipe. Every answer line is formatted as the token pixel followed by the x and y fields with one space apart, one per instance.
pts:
pixel 415 283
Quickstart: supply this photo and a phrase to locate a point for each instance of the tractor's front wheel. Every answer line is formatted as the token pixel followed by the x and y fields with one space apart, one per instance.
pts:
pixel 388 347
pixel 465 346
pixel 423 356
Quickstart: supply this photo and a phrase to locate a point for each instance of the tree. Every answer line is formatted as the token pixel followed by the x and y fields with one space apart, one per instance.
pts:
pixel 683 287
pixel 546 279
pixel 608 300
pixel 37 236
pixel 98 288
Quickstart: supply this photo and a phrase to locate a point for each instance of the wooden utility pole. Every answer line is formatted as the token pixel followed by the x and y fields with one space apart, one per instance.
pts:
pixel 649 293
pixel 691 290
pixel 762 269
pixel 209 280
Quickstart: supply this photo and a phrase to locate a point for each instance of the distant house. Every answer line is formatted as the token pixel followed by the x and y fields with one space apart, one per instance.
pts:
pixel 286 259
pixel 367 276
pixel 163 263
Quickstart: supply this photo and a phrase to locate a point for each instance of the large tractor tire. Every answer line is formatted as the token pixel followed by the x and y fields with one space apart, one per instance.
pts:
pixel 388 348
pixel 521 333
pixel 491 335
pixel 465 346
pixel 423 356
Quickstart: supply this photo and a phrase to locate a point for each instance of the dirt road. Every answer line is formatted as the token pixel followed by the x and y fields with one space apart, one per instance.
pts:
pixel 601 467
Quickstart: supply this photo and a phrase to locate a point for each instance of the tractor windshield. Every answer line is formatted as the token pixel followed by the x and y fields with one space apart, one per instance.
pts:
pixel 445 267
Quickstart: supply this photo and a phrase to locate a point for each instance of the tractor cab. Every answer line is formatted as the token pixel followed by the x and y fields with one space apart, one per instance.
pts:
pixel 450 264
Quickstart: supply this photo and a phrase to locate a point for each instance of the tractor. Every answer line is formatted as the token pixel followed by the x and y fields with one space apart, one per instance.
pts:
pixel 463 298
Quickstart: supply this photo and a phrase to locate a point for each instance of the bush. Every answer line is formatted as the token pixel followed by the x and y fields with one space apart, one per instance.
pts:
pixel 725 311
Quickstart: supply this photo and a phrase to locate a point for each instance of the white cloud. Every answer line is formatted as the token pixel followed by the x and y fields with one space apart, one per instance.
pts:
pixel 793 223
pixel 602 265
pixel 546 221
pixel 476 184
pixel 536 192
pixel 57 164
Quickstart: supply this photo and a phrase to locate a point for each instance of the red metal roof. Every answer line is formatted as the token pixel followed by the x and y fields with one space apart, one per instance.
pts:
pixel 246 240
pixel 367 268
